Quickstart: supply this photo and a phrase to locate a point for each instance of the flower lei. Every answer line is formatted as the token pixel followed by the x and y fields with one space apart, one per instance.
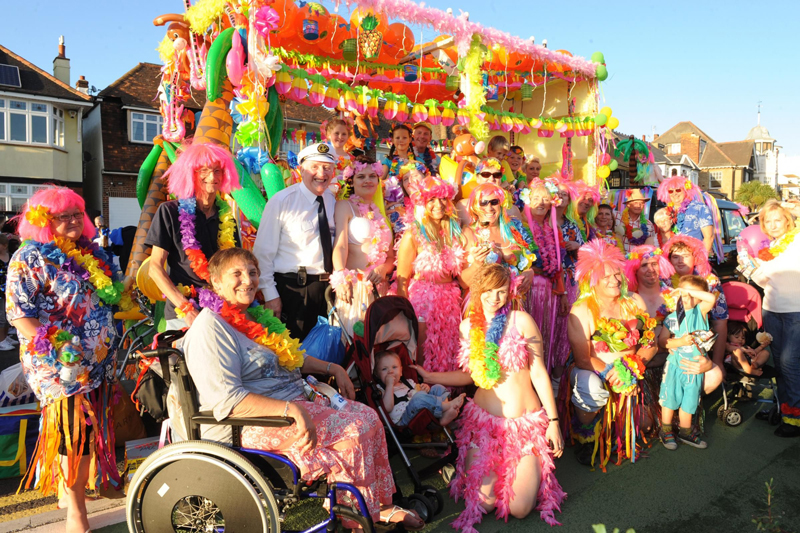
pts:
pixel 779 246
pixel 87 261
pixel 630 369
pixel 187 208
pixel 544 240
pixel 484 343
pixel 614 336
pixel 630 232
pixel 47 340
pixel 38 215
pixel 380 234
pixel 263 329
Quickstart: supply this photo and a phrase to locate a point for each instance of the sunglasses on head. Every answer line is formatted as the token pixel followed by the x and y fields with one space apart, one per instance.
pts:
pixel 494 202
pixel 495 175
pixel 673 191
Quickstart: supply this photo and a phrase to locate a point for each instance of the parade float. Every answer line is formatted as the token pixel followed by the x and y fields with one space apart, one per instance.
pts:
pixel 395 59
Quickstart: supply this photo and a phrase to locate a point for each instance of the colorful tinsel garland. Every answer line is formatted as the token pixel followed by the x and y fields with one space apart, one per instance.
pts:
pixel 484 344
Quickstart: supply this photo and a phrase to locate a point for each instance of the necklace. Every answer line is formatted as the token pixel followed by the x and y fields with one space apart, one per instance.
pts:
pixel 779 246
pixel 544 239
pixel 88 262
pixel 484 343
pixel 187 209
pixel 261 327
pixel 380 235
pixel 630 233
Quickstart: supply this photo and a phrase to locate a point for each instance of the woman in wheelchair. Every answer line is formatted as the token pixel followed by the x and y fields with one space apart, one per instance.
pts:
pixel 244 364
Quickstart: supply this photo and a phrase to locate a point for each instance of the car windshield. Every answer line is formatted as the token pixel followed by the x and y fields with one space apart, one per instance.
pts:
pixel 735 224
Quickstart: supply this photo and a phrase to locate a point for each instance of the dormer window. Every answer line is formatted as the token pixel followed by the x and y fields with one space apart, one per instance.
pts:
pixel 144 126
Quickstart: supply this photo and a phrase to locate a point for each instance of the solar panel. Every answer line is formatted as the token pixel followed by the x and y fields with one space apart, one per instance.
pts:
pixel 9 75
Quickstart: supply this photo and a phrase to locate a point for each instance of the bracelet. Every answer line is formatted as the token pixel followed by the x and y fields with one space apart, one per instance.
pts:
pixel 185 309
pixel 328 368
pixel 553 419
pixel 286 410
pixel 340 278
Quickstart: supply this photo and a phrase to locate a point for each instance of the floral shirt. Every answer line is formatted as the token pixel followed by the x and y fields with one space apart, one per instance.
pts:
pixel 570 232
pixel 38 287
pixel 692 221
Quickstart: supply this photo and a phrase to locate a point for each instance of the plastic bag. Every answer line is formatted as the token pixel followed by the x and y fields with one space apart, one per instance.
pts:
pixel 14 388
pixel 325 342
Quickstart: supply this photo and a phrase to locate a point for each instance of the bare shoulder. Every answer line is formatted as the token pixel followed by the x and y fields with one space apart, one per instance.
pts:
pixel 580 311
pixel 464 328
pixel 638 299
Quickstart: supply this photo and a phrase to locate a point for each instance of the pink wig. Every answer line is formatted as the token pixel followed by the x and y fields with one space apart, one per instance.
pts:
pixel 677 182
pixel 643 253
pixel 180 176
pixel 701 265
pixel 430 187
pixel 485 191
pixel 55 200
pixel 593 258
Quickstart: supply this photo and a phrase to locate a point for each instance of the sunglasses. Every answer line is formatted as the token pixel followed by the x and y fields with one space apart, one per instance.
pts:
pixel 493 202
pixel 495 175
pixel 673 191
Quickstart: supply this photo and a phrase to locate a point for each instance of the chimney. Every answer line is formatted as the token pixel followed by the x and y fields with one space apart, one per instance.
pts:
pixel 61 63
pixel 82 85
pixel 644 138
pixel 655 137
pixel 690 145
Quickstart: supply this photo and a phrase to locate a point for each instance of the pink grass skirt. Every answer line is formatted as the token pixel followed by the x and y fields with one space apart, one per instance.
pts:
pixel 351 448
pixel 502 442
pixel 561 348
pixel 439 304
pixel 542 304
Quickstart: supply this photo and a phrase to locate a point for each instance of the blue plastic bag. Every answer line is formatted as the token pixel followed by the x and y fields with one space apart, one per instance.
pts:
pixel 325 342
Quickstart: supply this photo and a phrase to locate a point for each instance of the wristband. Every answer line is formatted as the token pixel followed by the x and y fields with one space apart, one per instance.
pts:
pixel 328 368
pixel 553 419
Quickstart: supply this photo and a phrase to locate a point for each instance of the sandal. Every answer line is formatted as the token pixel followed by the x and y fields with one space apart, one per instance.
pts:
pixel 420 524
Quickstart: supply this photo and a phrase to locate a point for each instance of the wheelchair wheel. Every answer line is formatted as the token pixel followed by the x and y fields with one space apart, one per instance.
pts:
pixel 194 486
pixel 733 417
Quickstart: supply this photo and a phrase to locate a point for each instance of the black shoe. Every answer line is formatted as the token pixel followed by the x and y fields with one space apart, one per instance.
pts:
pixel 583 453
pixel 763 415
pixel 787 430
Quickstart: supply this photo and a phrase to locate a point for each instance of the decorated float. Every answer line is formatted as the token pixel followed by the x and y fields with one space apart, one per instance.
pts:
pixel 365 59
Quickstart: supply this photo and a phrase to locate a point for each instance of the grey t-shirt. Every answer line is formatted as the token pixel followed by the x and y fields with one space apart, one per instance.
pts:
pixel 226 366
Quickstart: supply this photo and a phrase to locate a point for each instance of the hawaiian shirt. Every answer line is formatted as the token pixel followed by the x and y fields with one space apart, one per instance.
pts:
pixel 636 224
pixel 39 288
pixel 692 221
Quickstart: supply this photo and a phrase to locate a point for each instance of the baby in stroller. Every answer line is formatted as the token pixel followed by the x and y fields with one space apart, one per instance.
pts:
pixel 403 399
pixel 749 360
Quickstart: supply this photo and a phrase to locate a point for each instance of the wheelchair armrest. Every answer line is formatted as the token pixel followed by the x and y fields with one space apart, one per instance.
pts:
pixel 267 421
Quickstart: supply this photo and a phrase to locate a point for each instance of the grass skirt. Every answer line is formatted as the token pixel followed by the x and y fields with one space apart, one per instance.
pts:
pixel 502 442
pixel 560 348
pixel 356 309
pixel 542 304
pixel 439 304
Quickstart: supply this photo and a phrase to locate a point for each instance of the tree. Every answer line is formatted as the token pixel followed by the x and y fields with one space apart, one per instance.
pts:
pixel 754 194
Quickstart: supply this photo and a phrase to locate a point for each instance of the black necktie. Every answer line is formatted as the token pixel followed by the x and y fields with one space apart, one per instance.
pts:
pixel 325 235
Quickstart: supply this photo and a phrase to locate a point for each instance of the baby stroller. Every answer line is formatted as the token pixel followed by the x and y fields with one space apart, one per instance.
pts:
pixel 391 324
pixel 744 305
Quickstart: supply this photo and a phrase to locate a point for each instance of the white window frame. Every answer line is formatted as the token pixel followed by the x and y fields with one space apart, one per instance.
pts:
pixel 715 175
pixel 8 194
pixel 288 145
pixel 54 119
pixel 158 120
pixel 673 148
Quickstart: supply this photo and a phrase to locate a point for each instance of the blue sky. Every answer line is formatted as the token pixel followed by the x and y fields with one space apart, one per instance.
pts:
pixel 708 62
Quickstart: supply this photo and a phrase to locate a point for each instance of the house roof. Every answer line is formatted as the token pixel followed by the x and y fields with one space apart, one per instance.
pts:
pixel 38 82
pixel 673 135
pixel 730 154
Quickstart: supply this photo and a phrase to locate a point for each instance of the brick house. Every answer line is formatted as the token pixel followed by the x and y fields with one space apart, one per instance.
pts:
pixel 726 166
pixel 684 138
pixel 41 118
pixel 119 133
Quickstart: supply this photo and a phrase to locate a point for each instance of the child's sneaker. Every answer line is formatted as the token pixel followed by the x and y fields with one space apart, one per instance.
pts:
pixel 668 440
pixel 693 439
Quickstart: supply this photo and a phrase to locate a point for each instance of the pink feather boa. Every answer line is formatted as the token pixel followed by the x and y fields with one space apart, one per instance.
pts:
pixel 502 442
pixel 439 304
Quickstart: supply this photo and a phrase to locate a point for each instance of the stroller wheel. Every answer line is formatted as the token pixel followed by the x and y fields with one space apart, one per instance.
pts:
pixel 774 416
pixel 721 412
pixel 423 507
pixel 733 417
pixel 435 497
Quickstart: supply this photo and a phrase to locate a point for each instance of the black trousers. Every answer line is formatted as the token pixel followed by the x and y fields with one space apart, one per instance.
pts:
pixel 301 305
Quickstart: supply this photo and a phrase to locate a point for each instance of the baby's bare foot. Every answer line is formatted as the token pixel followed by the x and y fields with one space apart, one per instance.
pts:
pixel 448 416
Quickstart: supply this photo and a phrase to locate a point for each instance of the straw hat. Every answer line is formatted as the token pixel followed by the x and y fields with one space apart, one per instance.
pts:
pixel 635 195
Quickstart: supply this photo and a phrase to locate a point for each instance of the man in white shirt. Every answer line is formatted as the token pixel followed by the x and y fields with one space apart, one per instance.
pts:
pixel 294 244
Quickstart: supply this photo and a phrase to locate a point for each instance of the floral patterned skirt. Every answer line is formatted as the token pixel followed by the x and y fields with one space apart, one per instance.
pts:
pixel 351 448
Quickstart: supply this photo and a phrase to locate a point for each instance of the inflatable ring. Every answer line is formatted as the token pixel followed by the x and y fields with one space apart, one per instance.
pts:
pixel 146 284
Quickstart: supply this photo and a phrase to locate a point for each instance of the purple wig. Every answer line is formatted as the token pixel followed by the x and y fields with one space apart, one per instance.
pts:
pixel 180 176
pixel 643 253
pixel 55 200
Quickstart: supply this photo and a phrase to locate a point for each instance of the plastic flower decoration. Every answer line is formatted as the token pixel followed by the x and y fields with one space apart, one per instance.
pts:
pixel 38 216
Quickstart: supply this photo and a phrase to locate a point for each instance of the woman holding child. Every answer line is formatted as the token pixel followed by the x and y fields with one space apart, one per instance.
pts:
pixel 508 430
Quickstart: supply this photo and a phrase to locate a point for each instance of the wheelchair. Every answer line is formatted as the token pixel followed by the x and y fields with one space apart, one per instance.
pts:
pixel 203 486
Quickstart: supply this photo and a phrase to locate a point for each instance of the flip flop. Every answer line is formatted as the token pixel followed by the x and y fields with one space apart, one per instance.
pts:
pixel 408 513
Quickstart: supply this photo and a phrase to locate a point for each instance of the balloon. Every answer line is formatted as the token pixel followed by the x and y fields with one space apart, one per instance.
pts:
pixel 287 10
pixel 399 39
pixel 613 165
pixel 358 15
pixel 606 159
pixel 338 31
pixel 603 172
pixel 601 73
pixel 607 111
pixel 598 57
pixel 601 119
pixel 272 178
pixel 312 22
pixel 753 240
pixel 613 123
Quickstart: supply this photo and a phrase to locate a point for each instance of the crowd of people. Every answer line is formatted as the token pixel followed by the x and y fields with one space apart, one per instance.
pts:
pixel 563 321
